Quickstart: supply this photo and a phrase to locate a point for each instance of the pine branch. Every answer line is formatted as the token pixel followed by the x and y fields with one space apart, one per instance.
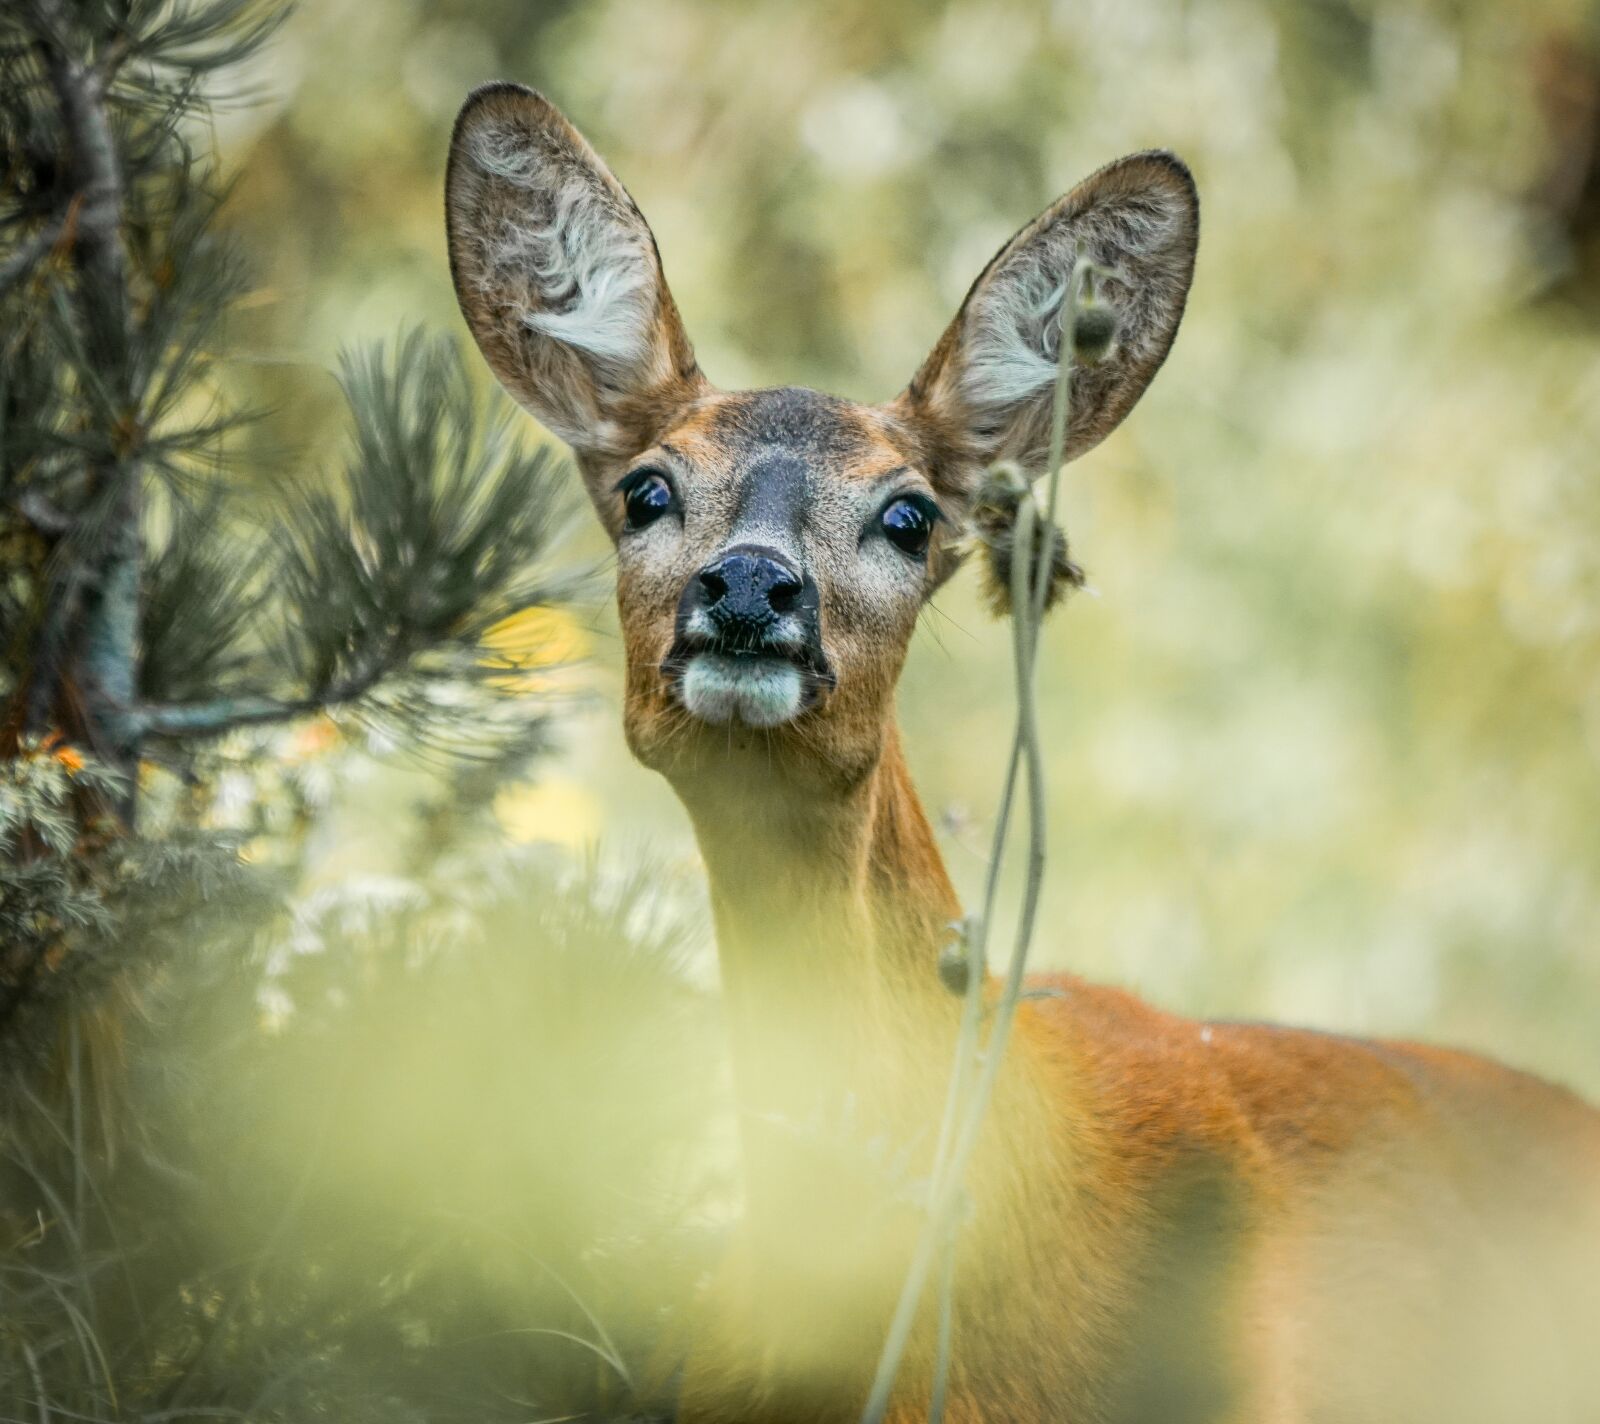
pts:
pixel 382 588
pixel 227 714
pixel 21 260
pixel 220 715
pixel 41 513
pixel 94 105
pixel 98 608
pixel 79 89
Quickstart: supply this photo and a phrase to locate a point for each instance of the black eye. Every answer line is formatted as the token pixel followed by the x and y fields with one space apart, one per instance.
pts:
pixel 646 496
pixel 908 524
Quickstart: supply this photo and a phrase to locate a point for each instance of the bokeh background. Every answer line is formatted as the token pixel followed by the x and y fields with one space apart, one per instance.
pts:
pixel 1325 739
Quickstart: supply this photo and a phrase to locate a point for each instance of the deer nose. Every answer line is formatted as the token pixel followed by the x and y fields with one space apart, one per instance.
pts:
pixel 747 589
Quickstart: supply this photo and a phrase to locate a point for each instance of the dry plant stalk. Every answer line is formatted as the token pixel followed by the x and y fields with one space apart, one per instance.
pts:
pixel 1007 518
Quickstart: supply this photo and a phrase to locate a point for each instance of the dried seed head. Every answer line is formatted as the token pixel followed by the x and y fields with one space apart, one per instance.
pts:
pixel 994 518
pixel 955 973
pixel 1094 333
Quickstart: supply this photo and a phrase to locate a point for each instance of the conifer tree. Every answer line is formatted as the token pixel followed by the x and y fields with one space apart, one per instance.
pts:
pixel 186 1222
pixel 145 608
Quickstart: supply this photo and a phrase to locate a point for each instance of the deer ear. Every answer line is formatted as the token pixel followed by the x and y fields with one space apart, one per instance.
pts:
pixel 558 277
pixel 986 391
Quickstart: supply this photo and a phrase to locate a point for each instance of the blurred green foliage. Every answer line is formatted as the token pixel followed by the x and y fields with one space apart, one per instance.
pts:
pixel 391 1204
pixel 1326 742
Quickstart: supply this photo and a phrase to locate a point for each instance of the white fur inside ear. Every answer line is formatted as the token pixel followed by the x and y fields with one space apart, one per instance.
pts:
pixel 590 270
pixel 1015 338
pixel 760 692
pixel 1014 326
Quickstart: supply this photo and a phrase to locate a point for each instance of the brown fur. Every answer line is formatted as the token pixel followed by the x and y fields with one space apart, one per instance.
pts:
pixel 1170 1221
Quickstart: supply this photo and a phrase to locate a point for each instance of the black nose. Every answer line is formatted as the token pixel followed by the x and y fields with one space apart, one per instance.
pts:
pixel 746 590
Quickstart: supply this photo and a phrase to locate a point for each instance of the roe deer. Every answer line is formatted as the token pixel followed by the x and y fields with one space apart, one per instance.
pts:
pixel 1170 1222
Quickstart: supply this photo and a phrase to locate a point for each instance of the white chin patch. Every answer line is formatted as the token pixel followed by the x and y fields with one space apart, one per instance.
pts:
pixel 760 692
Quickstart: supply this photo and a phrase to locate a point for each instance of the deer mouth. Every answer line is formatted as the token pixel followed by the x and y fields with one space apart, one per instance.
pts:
pixel 760 682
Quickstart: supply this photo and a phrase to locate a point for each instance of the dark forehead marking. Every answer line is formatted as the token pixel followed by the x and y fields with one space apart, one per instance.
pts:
pixel 811 426
pixel 773 492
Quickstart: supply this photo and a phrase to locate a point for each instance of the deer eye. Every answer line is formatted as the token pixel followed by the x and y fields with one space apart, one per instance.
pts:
pixel 646 496
pixel 908 524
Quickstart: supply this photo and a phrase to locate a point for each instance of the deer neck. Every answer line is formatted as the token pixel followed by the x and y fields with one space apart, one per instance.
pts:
pixel 831 913
pixel 831 909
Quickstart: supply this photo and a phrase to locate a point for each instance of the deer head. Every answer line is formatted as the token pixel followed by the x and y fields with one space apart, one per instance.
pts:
pixel 775 547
